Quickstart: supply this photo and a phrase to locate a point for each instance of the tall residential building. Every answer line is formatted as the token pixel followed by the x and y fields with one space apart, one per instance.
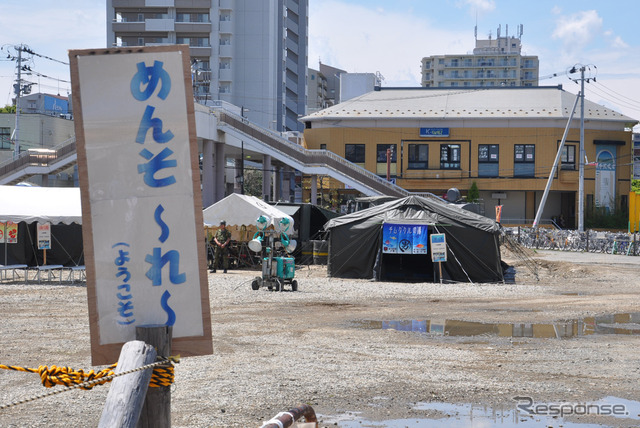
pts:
pixel 251 53
pixel 494 62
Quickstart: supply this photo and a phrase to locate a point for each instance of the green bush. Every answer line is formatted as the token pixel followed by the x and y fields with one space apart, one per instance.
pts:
pixel 599 218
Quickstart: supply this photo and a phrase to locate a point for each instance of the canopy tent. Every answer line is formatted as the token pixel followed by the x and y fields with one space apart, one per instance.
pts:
pixel 241 210
pixel 29 205
pixel 356 243
pixel 40 204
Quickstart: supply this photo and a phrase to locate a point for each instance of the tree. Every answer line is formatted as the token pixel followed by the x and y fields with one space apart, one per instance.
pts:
pixel 473 194
pixel 253 182
pixel 8 109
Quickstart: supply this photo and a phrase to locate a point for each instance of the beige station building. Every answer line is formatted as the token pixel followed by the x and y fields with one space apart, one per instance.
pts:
pixel 503 139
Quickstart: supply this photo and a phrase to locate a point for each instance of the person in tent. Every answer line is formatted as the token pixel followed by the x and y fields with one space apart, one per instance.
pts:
pixel 220 243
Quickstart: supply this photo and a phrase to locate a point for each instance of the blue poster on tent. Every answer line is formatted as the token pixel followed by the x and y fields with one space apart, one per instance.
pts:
pixel 390 238
pixel 404 239
pixel 420 239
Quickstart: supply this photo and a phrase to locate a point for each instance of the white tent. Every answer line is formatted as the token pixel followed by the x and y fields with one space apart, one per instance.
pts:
pixel 40 204
pixel 238 210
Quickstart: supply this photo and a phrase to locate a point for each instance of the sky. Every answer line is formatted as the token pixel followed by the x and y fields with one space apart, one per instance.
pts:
pixel 381 36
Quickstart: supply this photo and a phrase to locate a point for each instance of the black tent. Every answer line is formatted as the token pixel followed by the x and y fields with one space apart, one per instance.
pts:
pixel 356 243
pixel 308 219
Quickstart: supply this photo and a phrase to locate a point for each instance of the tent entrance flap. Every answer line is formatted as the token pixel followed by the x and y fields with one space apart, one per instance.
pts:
pixel 407 268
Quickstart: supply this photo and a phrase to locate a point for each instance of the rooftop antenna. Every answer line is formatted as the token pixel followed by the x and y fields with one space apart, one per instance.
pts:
pixel 475 29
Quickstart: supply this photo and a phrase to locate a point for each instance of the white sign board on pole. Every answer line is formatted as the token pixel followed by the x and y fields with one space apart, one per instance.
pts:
pixel 141 202
pixel 438 247
pixel 44 236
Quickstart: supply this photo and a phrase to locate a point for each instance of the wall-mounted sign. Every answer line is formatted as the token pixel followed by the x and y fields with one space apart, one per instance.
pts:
pixel 404 238
pixel 141 202
pixel 434 132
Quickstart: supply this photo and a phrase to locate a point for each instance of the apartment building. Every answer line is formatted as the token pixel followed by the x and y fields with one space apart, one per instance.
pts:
pixel 251 53
pixel 495 62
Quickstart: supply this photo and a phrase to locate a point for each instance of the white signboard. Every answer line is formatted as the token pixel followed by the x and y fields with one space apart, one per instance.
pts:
pixel 137 155
pixel 44 236
pixel 438 247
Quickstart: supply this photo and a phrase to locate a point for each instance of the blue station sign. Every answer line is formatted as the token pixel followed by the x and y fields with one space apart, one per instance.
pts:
pixel 434 132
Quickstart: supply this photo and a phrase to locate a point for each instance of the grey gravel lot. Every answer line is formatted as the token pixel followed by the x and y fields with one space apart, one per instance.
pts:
pixel 323 346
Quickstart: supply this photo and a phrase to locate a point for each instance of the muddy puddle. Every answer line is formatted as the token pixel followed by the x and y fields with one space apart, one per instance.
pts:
pixel 522 414
pixel 623 323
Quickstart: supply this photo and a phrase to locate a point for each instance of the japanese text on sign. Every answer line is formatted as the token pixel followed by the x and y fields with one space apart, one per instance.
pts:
pixel 404 238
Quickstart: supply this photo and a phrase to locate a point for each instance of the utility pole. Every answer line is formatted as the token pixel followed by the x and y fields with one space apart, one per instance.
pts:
pixel 18 89
pixel 581 160
pixel 582 156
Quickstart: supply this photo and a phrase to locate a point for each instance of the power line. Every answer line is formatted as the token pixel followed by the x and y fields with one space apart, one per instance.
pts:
pixel 29 51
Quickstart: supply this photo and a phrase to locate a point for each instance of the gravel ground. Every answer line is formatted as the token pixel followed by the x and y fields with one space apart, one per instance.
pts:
pixel 324 345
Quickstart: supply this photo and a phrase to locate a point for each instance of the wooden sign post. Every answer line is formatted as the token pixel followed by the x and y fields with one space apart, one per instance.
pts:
pixel 141 203
pixel 438 250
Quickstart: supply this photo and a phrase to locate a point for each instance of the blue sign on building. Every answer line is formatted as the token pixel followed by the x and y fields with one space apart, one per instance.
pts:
pixel 434 132
pixel 55 105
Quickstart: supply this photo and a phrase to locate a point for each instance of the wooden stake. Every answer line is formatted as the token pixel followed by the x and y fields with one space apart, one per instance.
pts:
pixel 156 412
pixel 127 393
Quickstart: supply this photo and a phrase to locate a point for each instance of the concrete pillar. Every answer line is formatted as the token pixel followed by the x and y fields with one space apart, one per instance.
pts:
pixel 208 178
pixel 221 163
pixel 277 184
pixel 314 190
pixel 237 185
pixel 266 177
pixel 286 183
pixel 45 180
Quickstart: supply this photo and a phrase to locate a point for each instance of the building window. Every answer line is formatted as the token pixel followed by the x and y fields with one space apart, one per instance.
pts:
pixel 323 147
pixel 5 138
pixel 196 42
pixel 418 156
pixel 449 156
pixel 354 153
pixel 381 160
pixel 488 160
pixel 568 157
pixel 381 151
pixel 192 17
pixel 524 161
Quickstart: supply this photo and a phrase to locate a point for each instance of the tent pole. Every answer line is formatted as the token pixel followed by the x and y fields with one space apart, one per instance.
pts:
pixel 4 236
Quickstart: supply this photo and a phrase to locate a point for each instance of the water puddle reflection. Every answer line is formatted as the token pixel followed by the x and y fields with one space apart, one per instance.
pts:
pixel 624 323
pixel 468 415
